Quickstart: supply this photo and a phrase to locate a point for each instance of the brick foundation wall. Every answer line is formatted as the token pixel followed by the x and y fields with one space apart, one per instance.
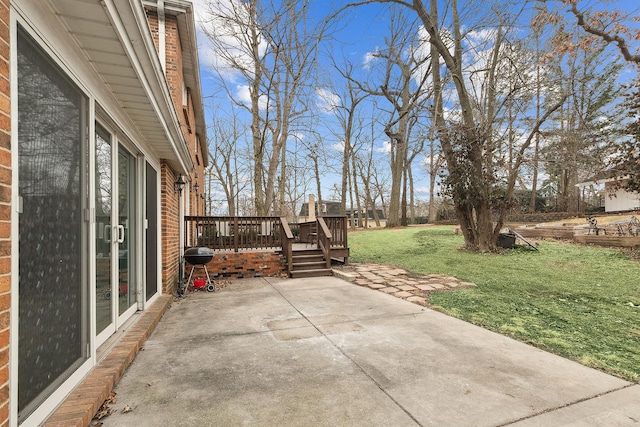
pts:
pixel 5 212
pixel 237 265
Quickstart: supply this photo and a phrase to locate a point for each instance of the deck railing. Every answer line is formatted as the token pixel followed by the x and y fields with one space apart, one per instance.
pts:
pixel 234 233
pixel 325 239
pixel 231 233
pixel 337 226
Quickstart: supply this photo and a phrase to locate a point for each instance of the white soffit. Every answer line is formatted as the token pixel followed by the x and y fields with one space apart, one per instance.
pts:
pixel 89 24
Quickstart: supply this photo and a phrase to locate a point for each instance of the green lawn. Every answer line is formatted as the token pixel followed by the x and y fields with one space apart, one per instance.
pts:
pixel 577 301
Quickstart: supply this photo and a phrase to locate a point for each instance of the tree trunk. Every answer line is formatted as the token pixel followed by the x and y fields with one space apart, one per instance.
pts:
pixel 356 190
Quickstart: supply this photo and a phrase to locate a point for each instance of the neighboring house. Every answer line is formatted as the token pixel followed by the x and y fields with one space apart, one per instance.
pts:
pixel 608 186
pixel 368 219
pixel 328 208
pixel 101 113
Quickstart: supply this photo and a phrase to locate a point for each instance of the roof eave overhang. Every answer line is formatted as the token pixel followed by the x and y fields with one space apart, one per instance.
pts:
pixel 115 37
pixel 602 181
pixel 130 23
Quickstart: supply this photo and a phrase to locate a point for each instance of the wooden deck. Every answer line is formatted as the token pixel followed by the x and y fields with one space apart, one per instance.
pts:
pixel 226 234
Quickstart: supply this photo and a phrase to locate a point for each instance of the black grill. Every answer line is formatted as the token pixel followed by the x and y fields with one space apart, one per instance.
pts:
pixel 198 256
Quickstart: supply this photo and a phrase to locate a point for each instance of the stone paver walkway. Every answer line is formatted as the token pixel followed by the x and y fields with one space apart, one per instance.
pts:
pixel 398 282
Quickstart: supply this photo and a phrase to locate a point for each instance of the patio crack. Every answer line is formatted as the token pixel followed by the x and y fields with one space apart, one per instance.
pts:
pixel 576 402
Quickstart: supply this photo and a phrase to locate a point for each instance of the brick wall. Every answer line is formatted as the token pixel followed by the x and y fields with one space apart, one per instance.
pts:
pixel 170 232
pixel 5 212
pixel 184 111
pixel 236 265
pixel 174 65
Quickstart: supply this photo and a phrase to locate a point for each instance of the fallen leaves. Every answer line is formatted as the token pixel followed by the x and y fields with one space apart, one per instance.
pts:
pixel 105 409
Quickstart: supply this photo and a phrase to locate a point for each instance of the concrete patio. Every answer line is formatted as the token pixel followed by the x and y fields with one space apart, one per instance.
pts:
pixel 326 352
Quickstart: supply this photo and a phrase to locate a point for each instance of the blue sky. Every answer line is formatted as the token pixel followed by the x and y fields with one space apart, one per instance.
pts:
pixel 359 35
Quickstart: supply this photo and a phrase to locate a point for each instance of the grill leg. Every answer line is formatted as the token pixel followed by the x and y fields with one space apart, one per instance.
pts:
pixel 189 279
pixel 210 285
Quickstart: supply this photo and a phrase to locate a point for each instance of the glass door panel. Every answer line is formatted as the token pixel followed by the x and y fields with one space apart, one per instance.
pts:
pixel 104 230
pixel 52 186
pixel 125 230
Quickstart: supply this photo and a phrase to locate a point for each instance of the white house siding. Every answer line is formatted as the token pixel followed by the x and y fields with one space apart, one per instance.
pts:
pixel 621 201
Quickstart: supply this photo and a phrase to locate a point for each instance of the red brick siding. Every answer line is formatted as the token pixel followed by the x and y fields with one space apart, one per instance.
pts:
pixel 5 211
pixel 231 265
pixel 170 219
pixel 152 19
pixel 170 232
pixel 173 57
pixel 175 80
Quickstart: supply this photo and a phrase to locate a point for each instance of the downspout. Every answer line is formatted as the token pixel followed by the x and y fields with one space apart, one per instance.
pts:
pixel 162 37
pixel 181 285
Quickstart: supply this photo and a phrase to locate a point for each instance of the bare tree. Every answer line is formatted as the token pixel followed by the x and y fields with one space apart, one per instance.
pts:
pixel 344 106
pixel 272 46
pixel 304 154
pixel 467 137
pixel 607 26
pixel 227 168
pixel 404 69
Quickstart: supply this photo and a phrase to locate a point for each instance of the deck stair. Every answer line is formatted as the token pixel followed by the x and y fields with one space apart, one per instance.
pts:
pixel 308 263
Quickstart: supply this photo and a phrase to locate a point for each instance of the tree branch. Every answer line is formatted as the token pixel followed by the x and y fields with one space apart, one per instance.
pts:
pixel 619 41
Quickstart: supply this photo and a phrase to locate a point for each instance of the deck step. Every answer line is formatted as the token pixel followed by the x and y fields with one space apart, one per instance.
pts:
pixel 296 274
pixel 307 258
pixel 308 265
pixel 311 251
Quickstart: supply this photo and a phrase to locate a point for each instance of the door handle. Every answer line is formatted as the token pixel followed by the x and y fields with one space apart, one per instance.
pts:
pixel 107 233
pixel 120 233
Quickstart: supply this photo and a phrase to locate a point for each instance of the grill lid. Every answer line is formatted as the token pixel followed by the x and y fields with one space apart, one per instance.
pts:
pixel 198 255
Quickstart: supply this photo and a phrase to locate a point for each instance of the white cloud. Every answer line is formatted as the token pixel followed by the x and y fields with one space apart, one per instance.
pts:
pixel 327 101
pixel 385 148
pixel 339 146
pixel 296 136
pixel 421 191
pixel 422 51
pixel 369 58
pixel 210 19
pixel 480 37
pixel 243 95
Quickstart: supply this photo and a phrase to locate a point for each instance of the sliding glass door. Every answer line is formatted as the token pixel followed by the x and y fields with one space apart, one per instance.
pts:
pixel 86 209
pixel 116 224
pixel 104 232
pixel 126 231
pixel 53 229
